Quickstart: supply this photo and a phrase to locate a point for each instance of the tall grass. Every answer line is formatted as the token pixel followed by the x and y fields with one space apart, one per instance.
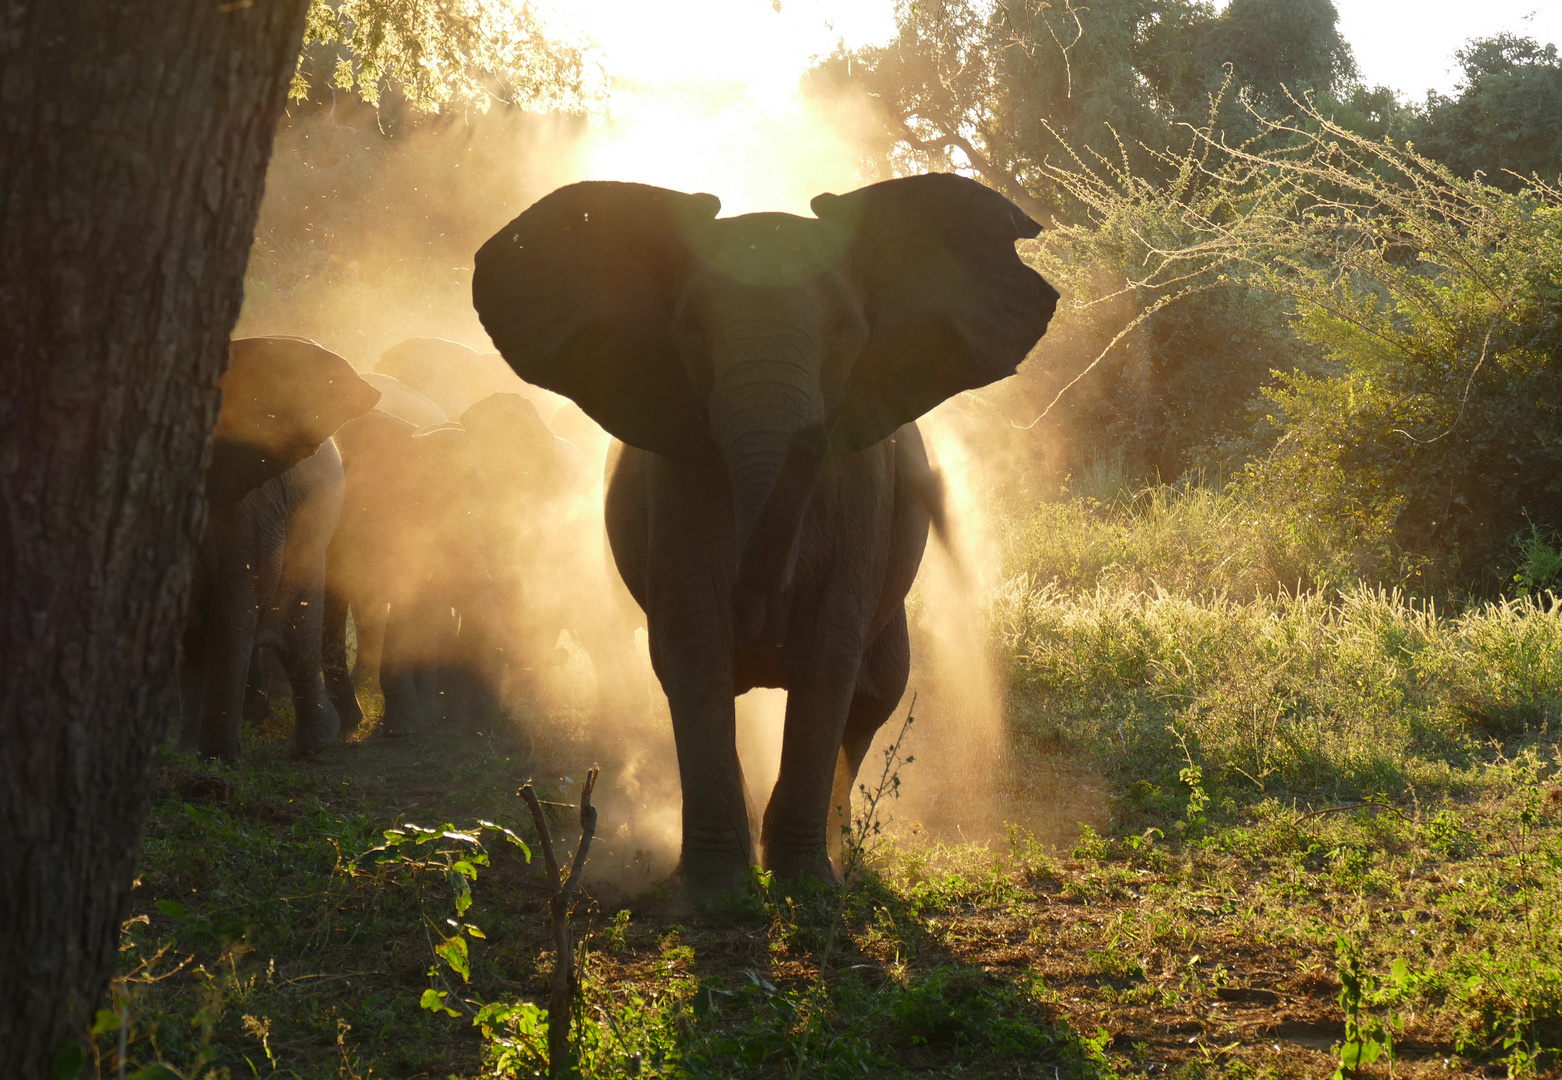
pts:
pixel 1178 623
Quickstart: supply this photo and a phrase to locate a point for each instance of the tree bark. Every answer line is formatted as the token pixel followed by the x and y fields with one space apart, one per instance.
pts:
pixel 134 138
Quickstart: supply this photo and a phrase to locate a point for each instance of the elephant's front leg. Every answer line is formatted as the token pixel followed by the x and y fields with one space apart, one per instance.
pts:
pixel 229 624
pixel 689 556
pixel 798 816
pixel 409 668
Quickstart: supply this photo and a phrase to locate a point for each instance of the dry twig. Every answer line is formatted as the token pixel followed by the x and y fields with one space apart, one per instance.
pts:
pixel 566 981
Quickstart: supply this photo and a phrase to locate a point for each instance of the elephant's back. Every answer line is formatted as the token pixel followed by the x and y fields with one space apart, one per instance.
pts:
pixel 403 402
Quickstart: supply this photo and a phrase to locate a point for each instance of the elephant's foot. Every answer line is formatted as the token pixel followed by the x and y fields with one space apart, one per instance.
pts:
pixel 799 864
pixel 408 712
pixel 702 883
pixel 348 712
pixel 226 750
pixel 714 861
pixel 317 729
pixel 794 850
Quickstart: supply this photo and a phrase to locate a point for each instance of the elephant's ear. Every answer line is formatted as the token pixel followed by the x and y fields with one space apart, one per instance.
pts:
pixel 949 304
pixel 281 398
pixel 578 294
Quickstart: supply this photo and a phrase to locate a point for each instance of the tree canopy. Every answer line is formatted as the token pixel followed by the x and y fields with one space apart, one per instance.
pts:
pixel 439 53
pixel 1007 87
pixel 1506 119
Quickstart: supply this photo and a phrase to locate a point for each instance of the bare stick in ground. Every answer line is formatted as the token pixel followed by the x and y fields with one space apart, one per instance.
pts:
pixel 565 979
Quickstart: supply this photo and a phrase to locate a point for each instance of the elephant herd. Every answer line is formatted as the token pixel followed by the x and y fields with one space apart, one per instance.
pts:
pixel 431 502
pixel 767 501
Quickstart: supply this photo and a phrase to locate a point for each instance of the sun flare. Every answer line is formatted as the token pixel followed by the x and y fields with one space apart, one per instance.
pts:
pixel 705 96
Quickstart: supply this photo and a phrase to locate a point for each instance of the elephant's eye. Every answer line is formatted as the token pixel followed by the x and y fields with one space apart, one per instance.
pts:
pixel 848 331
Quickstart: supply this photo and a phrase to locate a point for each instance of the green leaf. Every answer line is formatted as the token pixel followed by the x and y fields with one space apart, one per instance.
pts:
pixel 105 1021
pixel 155 1072
pixel 452 950
pixel 474 931
pixel 1400 974
pixel 173 909
pixel 69 1059
pixel 707 999
pixel 434 1001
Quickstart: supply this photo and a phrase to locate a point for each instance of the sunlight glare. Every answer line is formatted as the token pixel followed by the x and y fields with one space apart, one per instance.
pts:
pixel 705 96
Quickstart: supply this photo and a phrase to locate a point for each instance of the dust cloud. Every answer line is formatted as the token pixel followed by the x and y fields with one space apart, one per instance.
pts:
pixel 365 241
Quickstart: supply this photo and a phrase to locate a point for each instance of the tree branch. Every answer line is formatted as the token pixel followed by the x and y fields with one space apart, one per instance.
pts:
pixel 995 175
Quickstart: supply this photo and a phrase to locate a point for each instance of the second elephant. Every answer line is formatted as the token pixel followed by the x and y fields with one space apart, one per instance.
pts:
pixel 274 488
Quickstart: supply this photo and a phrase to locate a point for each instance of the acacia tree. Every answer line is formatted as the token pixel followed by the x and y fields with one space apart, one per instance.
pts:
pixel 134 139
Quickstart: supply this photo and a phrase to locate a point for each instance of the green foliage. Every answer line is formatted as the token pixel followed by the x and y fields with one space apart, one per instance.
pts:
pixel 1415 428
pixel 437 54
pixel 1438 432
pixel 1540 561
pixel 1368 1036
pixel 960 1008
pixel 1505 122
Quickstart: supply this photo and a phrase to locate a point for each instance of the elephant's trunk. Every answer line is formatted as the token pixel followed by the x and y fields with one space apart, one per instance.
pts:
pixel 767 417
pixel 766 560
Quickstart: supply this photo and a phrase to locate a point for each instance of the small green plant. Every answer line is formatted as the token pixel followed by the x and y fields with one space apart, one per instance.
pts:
pixel 453 855
pixel 1368 1036
pixel 1091 845
pixel 1540 560
pixel 1195 817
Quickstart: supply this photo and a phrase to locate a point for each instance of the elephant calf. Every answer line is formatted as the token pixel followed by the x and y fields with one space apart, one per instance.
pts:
pixel 274 488
pixel 769 510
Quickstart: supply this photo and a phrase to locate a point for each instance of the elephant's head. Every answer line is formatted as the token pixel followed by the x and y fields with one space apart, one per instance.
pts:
pixel 519 453
pixel 281 398
pixel 769 340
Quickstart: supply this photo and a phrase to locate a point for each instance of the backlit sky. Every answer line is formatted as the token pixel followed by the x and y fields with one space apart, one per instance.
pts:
pixel 1410 45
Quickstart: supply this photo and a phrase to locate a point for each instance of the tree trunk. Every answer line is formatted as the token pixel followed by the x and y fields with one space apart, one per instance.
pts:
pixel 133 146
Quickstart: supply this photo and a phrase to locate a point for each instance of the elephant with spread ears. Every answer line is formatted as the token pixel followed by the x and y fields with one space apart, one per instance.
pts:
pixel 770 503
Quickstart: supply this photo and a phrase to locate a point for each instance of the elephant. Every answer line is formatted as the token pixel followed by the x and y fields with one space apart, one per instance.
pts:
pixel 409 562
pixel 274 489
pixel 454 376
pixel 572 424
pixel 402 401
pixel 770 500
pixel 549 552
